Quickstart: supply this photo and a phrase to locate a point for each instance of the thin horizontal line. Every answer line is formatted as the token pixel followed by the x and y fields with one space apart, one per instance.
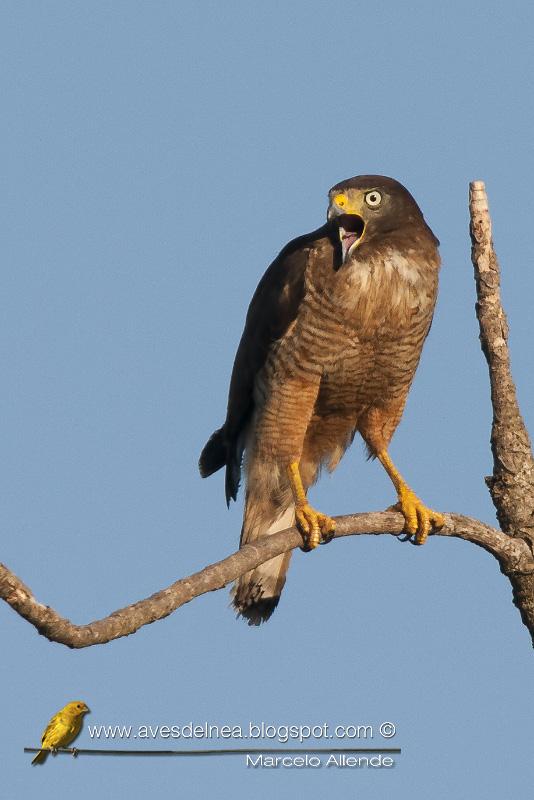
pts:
pixel 221 752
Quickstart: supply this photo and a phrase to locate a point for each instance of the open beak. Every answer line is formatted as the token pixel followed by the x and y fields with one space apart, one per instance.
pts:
pixel 351 228
pixel 350 223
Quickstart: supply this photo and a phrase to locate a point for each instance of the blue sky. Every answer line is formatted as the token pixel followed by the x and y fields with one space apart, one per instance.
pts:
pixel 156 156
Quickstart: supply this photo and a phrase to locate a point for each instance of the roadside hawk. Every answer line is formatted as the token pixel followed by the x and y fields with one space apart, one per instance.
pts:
pixel 332 339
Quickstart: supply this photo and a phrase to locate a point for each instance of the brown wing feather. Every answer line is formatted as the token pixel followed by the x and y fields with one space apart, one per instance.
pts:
pixel 273 308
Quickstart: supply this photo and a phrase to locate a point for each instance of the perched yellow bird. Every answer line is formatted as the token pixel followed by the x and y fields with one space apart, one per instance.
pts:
pixel 62 729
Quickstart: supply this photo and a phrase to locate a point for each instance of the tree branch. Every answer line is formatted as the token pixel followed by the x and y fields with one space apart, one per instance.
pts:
pixel 512 554
pixel 512 483
pixel 511 487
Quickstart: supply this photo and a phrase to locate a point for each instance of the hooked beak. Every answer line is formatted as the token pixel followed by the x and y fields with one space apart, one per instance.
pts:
pixel 351 228
pixel 350 223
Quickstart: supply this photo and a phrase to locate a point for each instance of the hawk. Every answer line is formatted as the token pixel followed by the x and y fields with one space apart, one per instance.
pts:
pixel 332 340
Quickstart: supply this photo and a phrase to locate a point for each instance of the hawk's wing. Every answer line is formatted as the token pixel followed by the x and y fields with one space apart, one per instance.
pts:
pixel 273 308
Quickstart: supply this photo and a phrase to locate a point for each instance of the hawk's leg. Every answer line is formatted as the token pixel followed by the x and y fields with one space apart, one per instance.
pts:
pixel 314 526
pixel 418 518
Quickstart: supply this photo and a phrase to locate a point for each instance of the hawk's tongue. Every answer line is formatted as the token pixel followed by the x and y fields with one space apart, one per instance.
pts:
pixel 351 227
pixel 347 242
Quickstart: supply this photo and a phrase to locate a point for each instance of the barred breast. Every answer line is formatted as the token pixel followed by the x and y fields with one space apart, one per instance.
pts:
pixel 347 361
pixel 366 327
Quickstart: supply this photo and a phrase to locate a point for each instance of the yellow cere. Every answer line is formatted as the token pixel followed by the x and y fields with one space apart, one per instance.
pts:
pixel 340 200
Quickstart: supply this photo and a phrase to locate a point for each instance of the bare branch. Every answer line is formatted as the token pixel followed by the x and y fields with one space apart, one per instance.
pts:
pixel 513 555
pixel 512 483
pixel 511 487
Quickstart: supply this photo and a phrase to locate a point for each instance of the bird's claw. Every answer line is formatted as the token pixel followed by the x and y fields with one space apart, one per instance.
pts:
pixel 316 528
pixel 327 537
pixel 75 752
pixel 419 520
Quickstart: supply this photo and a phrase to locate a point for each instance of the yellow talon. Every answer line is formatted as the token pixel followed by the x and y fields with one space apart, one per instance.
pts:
pixel 314 526
pixel 419 520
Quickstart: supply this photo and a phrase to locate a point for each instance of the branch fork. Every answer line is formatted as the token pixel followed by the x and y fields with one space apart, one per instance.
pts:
pixel 511 487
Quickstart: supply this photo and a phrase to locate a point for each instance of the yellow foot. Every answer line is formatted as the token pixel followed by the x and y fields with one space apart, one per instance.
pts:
pixel 419 520
pixel 316 528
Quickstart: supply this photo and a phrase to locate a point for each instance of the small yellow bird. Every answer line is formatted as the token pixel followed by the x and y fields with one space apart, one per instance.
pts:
pixel 62 729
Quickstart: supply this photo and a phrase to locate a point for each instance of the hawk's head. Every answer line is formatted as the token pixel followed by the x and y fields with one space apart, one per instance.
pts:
pixel 369 207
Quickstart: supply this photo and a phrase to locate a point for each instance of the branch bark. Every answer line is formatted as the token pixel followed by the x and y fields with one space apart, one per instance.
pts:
pixel 512 554
pixel 512 483
pixel 511 487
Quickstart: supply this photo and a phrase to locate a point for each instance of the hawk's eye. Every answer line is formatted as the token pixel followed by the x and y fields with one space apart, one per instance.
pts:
pixel 373 199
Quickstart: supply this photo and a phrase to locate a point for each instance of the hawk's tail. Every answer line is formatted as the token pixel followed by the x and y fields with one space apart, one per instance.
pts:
pixel 256 594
